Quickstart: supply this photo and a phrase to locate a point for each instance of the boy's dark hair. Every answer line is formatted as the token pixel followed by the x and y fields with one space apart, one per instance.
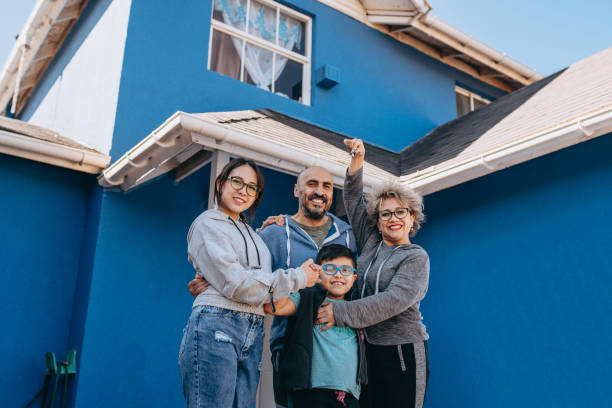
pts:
pixel 333 251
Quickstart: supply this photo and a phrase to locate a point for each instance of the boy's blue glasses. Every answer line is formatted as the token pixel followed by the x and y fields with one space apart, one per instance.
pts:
pixel 345 270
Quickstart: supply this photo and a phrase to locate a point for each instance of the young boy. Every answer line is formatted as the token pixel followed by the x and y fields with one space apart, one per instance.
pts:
pixel 321 369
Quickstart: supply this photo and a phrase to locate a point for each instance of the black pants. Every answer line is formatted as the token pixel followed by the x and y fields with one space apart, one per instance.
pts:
pixel 397 376
pixel 321 398
pixel 280 396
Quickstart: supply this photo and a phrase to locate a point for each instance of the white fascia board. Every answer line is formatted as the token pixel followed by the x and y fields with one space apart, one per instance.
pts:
pixel 412 6
pixel 584 128
pixel 52 153
pixel 148 154
pixel 390 20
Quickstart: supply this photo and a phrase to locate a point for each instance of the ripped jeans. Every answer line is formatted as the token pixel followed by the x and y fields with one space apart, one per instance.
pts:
pixel 220 358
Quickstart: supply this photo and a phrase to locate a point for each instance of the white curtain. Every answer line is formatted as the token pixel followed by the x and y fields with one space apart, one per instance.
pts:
pixel 262 24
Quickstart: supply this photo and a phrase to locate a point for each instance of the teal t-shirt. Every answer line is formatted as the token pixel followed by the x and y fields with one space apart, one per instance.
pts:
pixel 335 356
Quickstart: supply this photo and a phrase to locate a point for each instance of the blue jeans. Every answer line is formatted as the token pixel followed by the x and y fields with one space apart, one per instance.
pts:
pixel 220 357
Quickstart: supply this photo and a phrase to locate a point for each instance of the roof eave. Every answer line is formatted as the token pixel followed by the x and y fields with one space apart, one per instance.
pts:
pixel 52 153
pixel 583 128
pixel 155 153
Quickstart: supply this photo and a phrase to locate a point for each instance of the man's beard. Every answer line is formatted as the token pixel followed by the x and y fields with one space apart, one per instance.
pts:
pixel 315 214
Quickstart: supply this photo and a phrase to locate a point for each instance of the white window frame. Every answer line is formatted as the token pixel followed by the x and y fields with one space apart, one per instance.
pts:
pixel 472 96
pixel 304 60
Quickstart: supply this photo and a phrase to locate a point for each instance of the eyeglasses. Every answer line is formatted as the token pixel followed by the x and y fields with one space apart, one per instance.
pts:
pixel 399 214
pixel 345 270
pixel 237 183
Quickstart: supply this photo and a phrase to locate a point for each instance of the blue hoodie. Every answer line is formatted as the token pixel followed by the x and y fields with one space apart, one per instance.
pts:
pixel 290 247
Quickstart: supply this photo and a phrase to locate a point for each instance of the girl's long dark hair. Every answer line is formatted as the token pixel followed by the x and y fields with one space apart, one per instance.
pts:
pixel 224 175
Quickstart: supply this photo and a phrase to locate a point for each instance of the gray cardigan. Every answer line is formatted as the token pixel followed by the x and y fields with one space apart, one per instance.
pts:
pixel 395 284
pixel 216 249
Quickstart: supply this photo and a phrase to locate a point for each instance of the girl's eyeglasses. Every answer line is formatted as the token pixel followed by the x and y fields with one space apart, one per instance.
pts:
pixel 238 182
pixel 344 270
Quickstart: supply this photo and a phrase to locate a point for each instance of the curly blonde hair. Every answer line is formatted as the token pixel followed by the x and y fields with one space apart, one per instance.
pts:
pixel 410 198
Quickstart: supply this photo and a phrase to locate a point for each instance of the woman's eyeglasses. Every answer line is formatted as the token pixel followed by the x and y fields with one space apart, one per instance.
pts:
pixel 237 183
pixel 399 214
pixel 344 270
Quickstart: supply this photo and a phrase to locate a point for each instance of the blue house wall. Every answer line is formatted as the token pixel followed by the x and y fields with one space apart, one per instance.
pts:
pixel 519 305
pixel 48 218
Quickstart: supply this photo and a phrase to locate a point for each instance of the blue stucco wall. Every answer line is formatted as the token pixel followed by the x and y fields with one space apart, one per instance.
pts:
pixel 45 217
pixel 519 304
pixel 138 302
pixel 389 93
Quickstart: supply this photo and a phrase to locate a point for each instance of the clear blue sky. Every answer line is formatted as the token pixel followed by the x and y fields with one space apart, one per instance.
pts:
pixel 542 34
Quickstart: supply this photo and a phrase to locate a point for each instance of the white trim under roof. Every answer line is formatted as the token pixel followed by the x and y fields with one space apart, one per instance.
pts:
pixel 56 154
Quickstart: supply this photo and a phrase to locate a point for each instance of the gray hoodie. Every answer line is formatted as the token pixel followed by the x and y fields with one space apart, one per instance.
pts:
pixel 240 277
pixel 396 281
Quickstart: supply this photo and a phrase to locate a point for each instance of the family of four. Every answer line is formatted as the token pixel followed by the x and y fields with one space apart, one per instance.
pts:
pixel 353 336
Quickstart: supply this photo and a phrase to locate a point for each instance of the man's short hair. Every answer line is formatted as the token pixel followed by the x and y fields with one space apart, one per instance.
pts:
pixel 333 251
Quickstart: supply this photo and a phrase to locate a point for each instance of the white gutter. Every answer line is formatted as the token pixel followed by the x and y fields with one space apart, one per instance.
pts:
pixel 470 42
pixel 585 127
pixel 52 153
pixel 182 129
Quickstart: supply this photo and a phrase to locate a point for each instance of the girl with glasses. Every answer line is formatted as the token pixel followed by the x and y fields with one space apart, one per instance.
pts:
pixel 221 349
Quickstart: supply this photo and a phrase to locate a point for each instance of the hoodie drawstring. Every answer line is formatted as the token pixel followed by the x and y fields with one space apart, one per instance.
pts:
pixel 288 242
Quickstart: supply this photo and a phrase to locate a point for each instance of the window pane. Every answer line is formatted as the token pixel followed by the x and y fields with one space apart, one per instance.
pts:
pixel 262 21
pixel 258 66
pixel 478 104
pixel 224 57
pixel 291 34
pixel 463 104
pixel 231 12
pixel 289 78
